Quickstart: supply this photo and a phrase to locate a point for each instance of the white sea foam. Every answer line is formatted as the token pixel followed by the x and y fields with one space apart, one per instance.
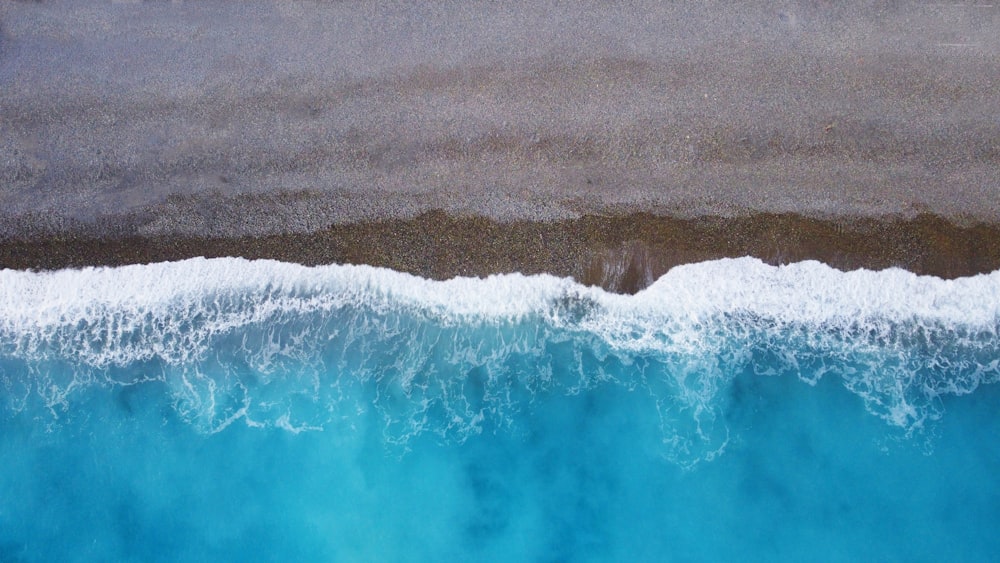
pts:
pixel 806 292
pixel 814 293
pixel 471 349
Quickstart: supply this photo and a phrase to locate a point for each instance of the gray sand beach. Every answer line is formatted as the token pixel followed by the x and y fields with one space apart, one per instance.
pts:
pixel 154 121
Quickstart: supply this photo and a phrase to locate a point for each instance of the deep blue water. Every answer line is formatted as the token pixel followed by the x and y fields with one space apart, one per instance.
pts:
pixel 216 410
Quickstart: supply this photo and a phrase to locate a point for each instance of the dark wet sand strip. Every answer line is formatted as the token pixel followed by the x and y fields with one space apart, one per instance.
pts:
pixel 620 253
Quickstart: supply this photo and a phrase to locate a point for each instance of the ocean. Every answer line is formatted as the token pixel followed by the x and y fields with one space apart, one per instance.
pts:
pixel 234 410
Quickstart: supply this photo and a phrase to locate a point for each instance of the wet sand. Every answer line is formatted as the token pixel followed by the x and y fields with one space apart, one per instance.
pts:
pixel 620 253
pixel 471 138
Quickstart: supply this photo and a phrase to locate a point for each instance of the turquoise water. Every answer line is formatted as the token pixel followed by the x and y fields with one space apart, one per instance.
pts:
pixel 214 410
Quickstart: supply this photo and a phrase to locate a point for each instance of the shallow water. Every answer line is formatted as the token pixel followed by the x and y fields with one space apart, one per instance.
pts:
pixel 234 410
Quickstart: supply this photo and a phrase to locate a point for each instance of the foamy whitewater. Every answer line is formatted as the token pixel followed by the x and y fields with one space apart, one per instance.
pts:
pixel 241 410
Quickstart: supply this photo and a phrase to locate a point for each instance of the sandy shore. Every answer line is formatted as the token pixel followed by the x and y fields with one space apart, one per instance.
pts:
pixel 861 133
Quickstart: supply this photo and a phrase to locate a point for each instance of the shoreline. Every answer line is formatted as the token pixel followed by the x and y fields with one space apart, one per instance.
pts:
pixel 600 141
pixel 622 253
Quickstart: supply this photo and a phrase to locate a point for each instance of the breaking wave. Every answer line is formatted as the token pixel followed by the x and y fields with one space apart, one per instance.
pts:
pixel 306 348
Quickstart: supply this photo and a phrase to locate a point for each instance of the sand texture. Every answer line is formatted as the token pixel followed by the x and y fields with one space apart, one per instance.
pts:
pixel 221 121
